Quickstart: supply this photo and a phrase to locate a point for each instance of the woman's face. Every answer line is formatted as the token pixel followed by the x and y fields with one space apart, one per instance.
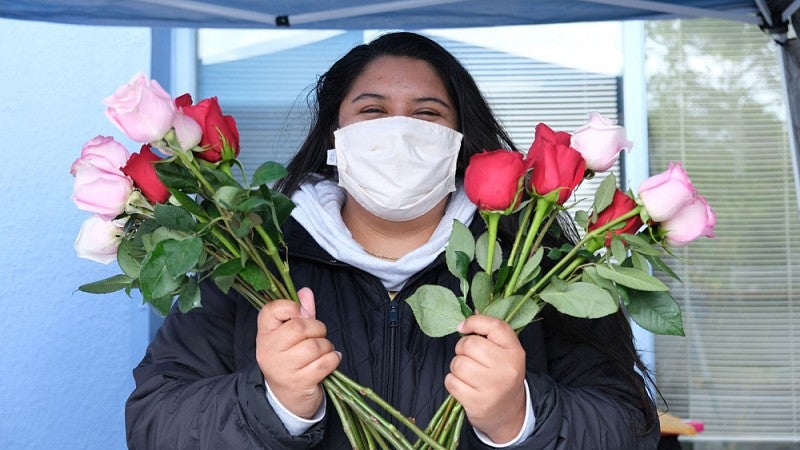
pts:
pixel 398 86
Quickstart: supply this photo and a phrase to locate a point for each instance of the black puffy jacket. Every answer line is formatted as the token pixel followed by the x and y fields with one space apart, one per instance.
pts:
pixel 199 385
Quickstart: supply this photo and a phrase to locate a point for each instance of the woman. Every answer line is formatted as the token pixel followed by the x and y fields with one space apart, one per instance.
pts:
pixel 364 235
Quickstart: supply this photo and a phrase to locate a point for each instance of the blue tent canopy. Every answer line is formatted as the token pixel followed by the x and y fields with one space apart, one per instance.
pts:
pixel 358 14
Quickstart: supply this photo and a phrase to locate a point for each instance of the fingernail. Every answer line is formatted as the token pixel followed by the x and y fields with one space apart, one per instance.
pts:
pixel 339 353
pixel 460 326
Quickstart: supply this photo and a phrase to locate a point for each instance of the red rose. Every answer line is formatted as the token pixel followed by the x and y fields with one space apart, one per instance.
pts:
pixel 215 126
pixel 140 169
pixel 492 178
pixel 556 167
pixel 620 205
pixel 544 135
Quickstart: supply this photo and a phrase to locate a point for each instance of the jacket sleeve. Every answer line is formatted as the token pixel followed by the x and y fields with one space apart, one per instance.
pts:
pixel 583 399
pixel 188 394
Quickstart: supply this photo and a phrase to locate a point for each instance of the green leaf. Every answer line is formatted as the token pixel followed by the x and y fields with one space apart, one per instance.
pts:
pixel 174 217
pixel 188 203
pixel 659 264
pixel 580 299
pixel 182 256
pixel 189 298
pixel 605 193
pixel 502 308
pixel 255 277
pixel 436 309
pixel 155 278
pixel 640 244
pixel 150 240
pixel 582 219
pixel 618 250
pixel 640 262
pixel 268 172
pixel 481 249
pixel 461 243
pixel 105 286
pixel 161 305
pixel 129 258
pixel 175 176
pixel 252 203
pixel 589 275
pixel 657 312
pixel 230 196
pixel 481 290
pixel 531 268
pixel 632 278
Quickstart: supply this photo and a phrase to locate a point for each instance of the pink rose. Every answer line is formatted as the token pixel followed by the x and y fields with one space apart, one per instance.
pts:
pixel 142 109
pixel 105 146
pixel 99 239
pixel 187 131
pixel 100 186
pixel 665 194
pixel 492 178
pixel 691 222
pixel 600 141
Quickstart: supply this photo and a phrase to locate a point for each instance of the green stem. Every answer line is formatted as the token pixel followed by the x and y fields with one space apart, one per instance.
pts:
pixel 272 252
pixel 371 395
pixel 492 221
pixel 365 413
pixel 571 254
pixel 517 240
pixel 543 208
pixel 348 421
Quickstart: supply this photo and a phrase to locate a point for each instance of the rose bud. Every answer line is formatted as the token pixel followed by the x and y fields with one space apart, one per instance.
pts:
pixel 600 141
pixel 142 109
pixel 556 168
pixel 98 239
pixel 491 180
pixel 620 205
pixel 665 194
pixel 140 169
pixel 217 128
pixel 691 222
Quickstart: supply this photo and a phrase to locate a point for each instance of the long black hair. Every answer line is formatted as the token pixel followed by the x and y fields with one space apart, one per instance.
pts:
pixel 476 121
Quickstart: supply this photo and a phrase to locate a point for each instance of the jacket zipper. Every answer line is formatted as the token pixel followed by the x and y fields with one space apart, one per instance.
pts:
pixel 392 322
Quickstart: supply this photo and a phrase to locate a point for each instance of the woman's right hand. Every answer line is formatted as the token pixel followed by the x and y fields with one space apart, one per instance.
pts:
pixel 293 353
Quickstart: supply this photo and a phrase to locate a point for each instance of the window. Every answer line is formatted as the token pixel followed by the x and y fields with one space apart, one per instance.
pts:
pixel 715 103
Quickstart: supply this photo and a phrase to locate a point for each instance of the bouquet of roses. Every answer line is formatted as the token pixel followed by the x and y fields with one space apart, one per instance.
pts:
pixel 624 236
pixel 171 222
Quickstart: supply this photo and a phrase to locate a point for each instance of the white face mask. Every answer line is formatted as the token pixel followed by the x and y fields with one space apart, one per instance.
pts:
pixel 397 168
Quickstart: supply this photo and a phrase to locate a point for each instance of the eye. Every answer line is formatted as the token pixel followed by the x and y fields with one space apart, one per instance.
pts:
pixel 372 110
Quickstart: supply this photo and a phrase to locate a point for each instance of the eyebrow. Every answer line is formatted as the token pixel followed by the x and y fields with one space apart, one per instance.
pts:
pixel 366 95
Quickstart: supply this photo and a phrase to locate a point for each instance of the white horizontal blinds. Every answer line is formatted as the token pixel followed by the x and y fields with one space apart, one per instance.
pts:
pixel 715 103
pixel 267 92
pixel 524 92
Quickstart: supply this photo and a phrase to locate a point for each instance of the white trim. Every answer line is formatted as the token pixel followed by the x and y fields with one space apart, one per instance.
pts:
pixel 679 10
pixel 363 10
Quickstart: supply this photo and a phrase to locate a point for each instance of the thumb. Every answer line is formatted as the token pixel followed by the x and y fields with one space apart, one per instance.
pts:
pixel 308 309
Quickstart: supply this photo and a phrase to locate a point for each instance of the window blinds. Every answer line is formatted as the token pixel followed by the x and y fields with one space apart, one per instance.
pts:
pixel 715 103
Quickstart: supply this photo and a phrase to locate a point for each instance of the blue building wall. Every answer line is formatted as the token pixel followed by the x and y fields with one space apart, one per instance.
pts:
pixel 65 356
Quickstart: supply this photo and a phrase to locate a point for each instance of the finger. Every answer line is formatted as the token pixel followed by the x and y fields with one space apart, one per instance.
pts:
pixel 467 370
pixel 496 330
pixel 459 389
pixel 308 350
pixel 321 367
pixel 308 308
pixel 478 348
pixel 275 313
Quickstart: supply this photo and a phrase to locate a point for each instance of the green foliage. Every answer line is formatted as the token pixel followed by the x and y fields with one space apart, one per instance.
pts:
pixel 437 310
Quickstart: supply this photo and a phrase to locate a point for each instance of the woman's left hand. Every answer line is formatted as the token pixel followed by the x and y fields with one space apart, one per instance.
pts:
pixel 487 377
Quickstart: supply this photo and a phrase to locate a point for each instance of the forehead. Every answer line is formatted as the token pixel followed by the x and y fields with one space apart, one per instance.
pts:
pixel 399 74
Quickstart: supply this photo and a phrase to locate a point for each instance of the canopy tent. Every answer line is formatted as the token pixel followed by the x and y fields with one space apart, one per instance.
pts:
pixel 359 14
